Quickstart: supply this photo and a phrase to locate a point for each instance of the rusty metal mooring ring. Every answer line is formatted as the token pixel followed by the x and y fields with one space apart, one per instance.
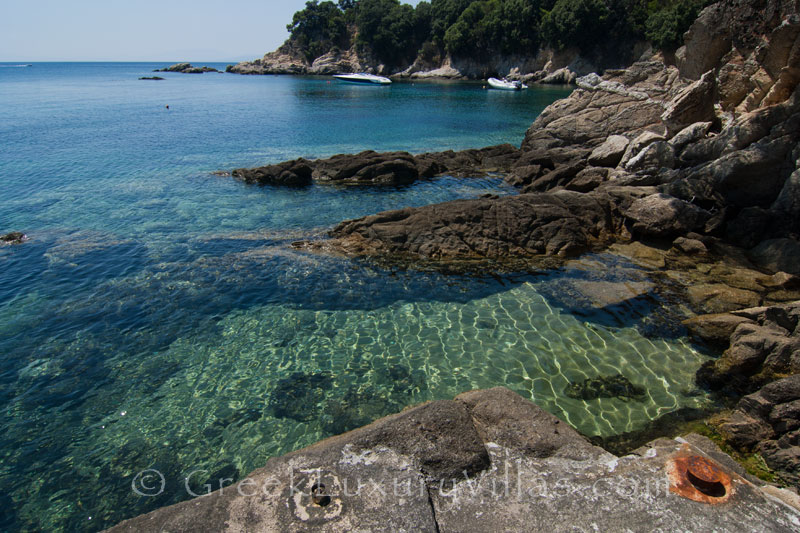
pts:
pixel 699 479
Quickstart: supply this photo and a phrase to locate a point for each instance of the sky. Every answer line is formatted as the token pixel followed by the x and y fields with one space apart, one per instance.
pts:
pixel 143 30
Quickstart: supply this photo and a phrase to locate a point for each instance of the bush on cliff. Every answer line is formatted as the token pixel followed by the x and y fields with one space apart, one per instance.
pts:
pixel 392 31
pixel 495 26
pixel 581 23
pixel 318 28
pixel 665 27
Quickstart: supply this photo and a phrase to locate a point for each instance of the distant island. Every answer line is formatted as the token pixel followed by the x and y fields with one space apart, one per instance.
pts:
pixel 552 41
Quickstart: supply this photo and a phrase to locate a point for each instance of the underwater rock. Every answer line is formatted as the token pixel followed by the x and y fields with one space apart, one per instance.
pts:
pixel 15 237
pixel 617 386
pixel 300 396
pixel 362 405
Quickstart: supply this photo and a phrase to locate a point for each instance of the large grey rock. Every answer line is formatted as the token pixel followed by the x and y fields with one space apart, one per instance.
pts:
pixel 715 329
pixel 564 223
pixel 610 152
pixel 622 102
pixel 588 179
pixel 720 297
pixel 689 134
pixel 704 44
pixel 694 103
pixel 658 155
pixel 660 215
pixel 369 167
pixel 507 419
pixel 638 144
pixel 778 255
pixel 767 421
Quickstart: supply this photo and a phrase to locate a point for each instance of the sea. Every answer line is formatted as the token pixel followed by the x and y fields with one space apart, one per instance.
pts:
pixel 157 326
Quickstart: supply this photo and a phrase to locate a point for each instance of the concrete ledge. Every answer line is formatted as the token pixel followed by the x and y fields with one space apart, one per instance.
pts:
pixel 487 461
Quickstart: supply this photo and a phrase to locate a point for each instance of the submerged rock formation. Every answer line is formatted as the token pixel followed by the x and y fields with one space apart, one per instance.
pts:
pixel 616 386
pixel 186 68
pixel 486 461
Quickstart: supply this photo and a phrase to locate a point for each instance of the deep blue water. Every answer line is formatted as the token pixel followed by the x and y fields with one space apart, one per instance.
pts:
pixel 158 317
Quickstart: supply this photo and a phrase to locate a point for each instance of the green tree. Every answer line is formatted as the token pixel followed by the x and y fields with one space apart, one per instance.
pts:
pixel 581 23
pixel 387 28
pixel 445 13
pixel 665 27
pixel 318 28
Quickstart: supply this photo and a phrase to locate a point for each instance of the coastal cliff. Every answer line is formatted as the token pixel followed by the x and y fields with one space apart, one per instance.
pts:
pixel 549 41
pixel 546 66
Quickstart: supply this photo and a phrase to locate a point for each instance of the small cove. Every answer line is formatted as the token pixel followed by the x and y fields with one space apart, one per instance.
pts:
pixel 159 319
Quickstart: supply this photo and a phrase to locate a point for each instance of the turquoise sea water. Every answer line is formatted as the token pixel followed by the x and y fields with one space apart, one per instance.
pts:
pixel 158 318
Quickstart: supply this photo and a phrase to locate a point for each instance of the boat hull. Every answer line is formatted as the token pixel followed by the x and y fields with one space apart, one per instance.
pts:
pixel 363 79
pixel 501 85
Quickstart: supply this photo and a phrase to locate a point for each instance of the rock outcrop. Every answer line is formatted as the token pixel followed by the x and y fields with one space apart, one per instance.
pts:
pixel 764 344
pixel 290 59
pixel 563 223
pixel 15 237
pixel 295 173
pixel 486 461
pixel 186 68
pixel 382 168
pixel 768 422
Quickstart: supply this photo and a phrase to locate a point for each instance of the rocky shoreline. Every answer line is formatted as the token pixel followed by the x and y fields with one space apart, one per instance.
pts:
pixel 690 165
pixel 548 66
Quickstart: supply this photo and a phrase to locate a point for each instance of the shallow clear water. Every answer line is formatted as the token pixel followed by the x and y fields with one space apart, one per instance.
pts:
pixel 158 318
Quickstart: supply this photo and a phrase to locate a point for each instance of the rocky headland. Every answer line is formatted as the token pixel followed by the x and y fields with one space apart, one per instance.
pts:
pixel 548 66
pixel 688 164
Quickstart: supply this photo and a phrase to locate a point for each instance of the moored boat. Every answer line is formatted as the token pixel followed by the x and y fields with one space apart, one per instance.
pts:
pixel 506 85
pixel 363 79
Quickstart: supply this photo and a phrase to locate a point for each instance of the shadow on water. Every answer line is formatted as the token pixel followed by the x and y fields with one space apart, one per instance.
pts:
pixel 611 291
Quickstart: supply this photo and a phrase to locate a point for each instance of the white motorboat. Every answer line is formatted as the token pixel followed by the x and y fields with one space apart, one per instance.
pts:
pixel 506 85
pixel 363 79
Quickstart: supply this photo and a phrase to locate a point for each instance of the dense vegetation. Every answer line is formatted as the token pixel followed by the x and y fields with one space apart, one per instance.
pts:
pixel 395 33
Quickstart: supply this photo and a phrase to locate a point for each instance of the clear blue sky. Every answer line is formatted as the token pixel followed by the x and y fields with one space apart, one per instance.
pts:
pixel 143 30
